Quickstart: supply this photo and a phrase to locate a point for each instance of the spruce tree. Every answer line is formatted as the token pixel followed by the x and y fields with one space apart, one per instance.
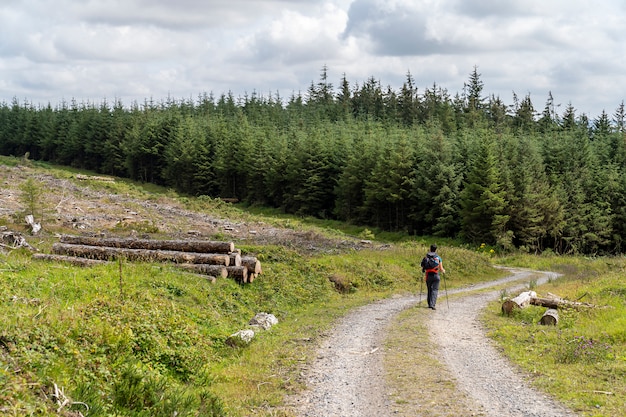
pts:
pixel 388 188
pixel 482 200
pixel 474 102
pixel 434 197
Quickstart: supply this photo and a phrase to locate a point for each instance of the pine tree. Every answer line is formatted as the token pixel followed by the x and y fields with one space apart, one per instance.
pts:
pixel 497 113
pixel 524 118
pixel 313 189
pixel 568 122
pixel 388 189
pixel 482 200
pixel 360 159
pixel 534 209
pixel 408 101
pixel 549 119
pixel 576 169
pixel 618 207
pixel 112 150
pixel 620 118
pixel 435 194
pixel 344 100
pixel 474 101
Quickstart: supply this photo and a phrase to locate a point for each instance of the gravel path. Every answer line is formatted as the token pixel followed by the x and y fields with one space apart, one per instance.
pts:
pixel 347 378
pixel 478 367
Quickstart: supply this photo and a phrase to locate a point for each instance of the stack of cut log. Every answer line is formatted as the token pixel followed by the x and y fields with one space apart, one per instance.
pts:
pixel 552 302
pixel 212 258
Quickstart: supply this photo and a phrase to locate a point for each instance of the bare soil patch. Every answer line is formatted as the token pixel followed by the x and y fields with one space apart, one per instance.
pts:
pixel 84 205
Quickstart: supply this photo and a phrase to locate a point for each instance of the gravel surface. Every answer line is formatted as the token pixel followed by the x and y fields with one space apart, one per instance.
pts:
pixel 348 378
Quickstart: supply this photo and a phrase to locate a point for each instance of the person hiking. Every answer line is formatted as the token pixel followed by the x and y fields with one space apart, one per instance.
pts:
pixel 432 264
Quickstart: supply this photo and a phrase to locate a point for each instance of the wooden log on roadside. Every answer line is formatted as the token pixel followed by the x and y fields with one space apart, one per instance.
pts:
pixel 558 303
pixel 145 255
pixel 252 263
pixel 218 271
pixel 74 260
pixel 520 301
pixel 197 246
pixel 544 302
pixel 238 273
pixel 550 317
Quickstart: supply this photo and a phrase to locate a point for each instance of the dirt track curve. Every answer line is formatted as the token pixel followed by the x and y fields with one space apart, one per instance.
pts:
pixel 348 378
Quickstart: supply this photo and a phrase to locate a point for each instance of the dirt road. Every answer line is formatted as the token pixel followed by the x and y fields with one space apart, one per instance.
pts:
pixel 348 377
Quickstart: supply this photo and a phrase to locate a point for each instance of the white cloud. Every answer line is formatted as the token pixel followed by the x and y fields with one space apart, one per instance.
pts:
pixel 136 49
pixel 295 38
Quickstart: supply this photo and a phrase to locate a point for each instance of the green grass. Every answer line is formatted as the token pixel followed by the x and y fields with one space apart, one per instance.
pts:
pixel 582 361
pixel 150 341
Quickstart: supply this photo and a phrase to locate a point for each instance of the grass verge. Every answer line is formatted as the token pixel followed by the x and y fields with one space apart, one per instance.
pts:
pixel 582 361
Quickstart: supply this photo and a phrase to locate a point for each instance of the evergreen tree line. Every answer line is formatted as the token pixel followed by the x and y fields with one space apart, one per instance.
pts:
pixel 428 163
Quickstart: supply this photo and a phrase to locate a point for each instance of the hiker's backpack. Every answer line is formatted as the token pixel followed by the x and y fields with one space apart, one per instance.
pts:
pixel 430 263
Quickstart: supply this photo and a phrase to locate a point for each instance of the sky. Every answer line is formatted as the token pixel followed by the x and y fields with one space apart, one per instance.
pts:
pixel 133 50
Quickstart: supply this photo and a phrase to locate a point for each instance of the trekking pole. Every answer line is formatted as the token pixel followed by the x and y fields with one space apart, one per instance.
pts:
pixel 421 284
pixel 445 287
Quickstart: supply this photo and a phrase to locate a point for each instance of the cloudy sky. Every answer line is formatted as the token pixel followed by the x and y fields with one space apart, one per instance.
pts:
pixel 92 50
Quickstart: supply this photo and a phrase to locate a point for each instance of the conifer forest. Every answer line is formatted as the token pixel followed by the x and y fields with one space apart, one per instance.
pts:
pixel 422 161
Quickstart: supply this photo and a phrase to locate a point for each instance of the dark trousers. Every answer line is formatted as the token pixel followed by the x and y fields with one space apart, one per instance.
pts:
pixel 432 284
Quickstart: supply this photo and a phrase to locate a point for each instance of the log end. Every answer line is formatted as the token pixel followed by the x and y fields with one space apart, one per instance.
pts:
pixel 550 317
pixel 508 306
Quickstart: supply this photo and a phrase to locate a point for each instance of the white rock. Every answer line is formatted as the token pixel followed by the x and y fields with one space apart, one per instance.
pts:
pixel 264 320
pixel 241 338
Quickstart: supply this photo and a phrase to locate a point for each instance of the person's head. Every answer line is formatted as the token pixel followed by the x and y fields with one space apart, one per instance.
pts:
pixel 433 248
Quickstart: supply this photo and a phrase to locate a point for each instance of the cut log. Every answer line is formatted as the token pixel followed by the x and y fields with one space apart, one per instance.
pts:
pixel 520 301
pixel 239 273
pixel 235 259
pixel 550 317
pixel 197 246
pixel 219 271
pixel 146 255
pixel 252 263
pixel 545 302
pixel 74 260
pixel 558 303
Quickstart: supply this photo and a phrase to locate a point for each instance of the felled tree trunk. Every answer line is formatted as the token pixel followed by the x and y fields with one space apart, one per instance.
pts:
pixel 239 273
pixel 218 271
pixel 520 301
pixel 198 246
pixel 74 260
pixel 146 255
pixel 550 317
pixel 558 303
pixel 252 263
